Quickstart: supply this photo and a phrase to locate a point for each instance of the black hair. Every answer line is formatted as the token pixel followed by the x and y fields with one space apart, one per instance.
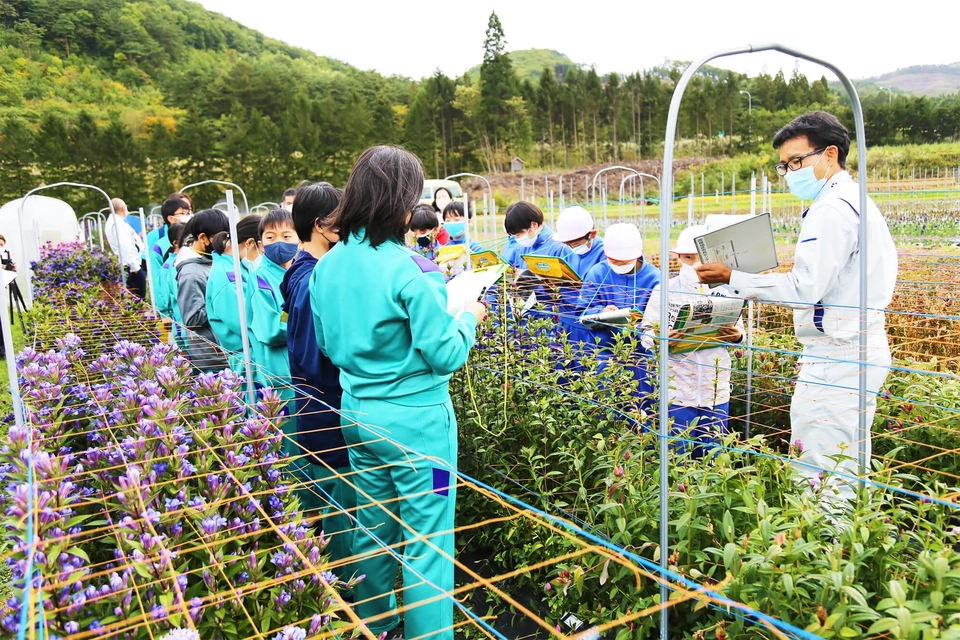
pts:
pixel 174 232
pixel 220 241
pixel 288 192
pixel 423 218
pixel 249 228
pixel 520 216
pixel 313 205
pixel 209 222
pixel 821 129
pixel 456 207
pixel 384 186
pixel 171 204
pixel 439 189
pixel 274 219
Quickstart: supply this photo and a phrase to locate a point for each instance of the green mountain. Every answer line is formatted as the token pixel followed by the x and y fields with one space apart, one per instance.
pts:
pixel 929 80
pixel 528 63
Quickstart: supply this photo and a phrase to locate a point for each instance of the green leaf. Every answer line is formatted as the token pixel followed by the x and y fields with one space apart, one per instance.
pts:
pixel 847 632
pixel 884 625
pixel 788 584
pixel 897 593
pixel 855 595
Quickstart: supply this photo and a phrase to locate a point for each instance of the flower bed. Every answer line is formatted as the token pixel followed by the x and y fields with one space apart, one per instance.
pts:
pixel 741 522
pixel 161 499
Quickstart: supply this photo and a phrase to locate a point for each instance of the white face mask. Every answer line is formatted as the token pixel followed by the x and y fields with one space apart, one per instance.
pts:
pixel 688 274
pixel 582 249
pixel 527 241
pixel 622 269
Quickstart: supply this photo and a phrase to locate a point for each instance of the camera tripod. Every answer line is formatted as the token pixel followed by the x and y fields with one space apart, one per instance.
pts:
pixel 16 298
pixel 16 302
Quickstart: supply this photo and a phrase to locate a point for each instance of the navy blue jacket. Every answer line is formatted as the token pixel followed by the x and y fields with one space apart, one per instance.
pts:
pixel 312 373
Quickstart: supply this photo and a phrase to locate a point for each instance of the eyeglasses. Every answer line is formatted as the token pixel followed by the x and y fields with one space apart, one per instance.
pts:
pixel 794 164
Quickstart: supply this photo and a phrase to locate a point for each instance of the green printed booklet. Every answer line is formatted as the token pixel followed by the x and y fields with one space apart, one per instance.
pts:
pixel 701 320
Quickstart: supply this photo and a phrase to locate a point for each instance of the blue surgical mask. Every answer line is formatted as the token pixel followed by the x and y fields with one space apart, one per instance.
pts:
pixel 455 229
pixel 281 252
pixel 803 183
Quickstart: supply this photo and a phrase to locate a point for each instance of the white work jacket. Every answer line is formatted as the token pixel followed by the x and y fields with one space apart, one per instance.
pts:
pixel 700 378
pixel 823 288
pixel 124 241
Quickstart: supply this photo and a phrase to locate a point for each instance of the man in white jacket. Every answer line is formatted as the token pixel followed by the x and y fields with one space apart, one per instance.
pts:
pixel 823 288
pixel 128 245
pixel 699 381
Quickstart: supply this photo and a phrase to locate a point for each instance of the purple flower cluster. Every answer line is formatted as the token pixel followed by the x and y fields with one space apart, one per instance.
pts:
pixel 155 493
pixel 65 271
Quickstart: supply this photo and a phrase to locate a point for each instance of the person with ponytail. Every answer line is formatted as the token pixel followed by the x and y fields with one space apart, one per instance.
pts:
pixel 222 288
pixel 193 266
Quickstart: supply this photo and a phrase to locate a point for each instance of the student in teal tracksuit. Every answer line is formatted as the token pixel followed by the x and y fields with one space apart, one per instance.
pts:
pixel 268 323
pixel 166 290
pixel 175 210
pixel 380 314
pixel 222 310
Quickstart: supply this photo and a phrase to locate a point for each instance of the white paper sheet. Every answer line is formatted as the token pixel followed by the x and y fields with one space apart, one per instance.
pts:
pixel 746 246
pixel 471 285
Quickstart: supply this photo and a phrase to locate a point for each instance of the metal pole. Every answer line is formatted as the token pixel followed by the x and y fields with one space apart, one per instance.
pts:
pixel 665 213
pixel 521 187
pixel 749 407
pixel 733 193
pixel 723 196
pixel 753 193
pixel 153 294
pixel 561 193
pixel 466 228
pixel 241 305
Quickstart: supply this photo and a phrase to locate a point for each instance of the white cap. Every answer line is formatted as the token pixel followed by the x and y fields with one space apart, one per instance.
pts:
pixel 622 241
pixel 573 224
pixel 685 241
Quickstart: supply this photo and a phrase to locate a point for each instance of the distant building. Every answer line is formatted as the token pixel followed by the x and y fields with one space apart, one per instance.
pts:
pixel 516 165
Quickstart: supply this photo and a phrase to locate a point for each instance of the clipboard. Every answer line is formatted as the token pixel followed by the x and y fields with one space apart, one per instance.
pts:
pixel 486 258
pixel 746 246
pixel 551 267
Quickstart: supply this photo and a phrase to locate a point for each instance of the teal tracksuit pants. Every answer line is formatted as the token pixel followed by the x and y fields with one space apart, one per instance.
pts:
pixel 404 463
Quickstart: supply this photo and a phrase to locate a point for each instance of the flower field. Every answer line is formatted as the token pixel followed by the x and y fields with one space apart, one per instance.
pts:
pixel 162 502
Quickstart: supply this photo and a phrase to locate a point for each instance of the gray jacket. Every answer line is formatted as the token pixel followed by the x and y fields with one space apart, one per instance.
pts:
pixel 193 270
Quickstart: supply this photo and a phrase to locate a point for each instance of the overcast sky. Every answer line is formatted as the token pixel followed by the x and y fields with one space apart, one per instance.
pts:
pixel 415 37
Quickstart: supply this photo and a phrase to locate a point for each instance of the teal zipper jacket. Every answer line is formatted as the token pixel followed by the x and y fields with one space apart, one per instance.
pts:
pixel 222 306
pixel 268 322
pixel 381 316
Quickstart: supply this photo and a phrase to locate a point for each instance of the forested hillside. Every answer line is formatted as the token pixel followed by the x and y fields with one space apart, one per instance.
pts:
pixel 141 97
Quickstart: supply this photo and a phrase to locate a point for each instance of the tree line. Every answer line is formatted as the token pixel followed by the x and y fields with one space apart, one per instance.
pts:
pixel 141 97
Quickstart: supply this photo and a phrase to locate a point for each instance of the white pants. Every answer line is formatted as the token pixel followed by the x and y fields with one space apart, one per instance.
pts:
pixel 824 417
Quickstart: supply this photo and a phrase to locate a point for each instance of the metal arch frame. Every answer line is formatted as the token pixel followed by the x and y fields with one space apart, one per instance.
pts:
pixel 99 217
pixel 53 186
pixel 224 183
pixel 493 204
pixel 666 211
pixel 276 205
pixel 593 184
pixel 643 199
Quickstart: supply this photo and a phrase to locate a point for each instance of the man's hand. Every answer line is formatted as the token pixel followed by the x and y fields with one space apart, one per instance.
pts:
pixel 674 334
pixel 610 307
pixel 730 334
pixel 714 273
